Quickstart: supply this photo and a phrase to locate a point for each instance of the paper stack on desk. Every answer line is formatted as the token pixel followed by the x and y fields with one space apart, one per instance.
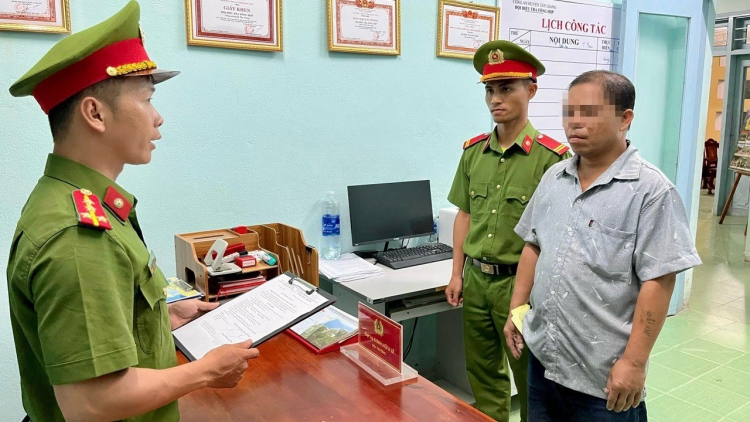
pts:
pixel 348 267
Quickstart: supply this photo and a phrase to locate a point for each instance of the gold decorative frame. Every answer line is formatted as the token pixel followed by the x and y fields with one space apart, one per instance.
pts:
pixel 469 7
pixel 61 6
pixel 192 39
pixel 365 50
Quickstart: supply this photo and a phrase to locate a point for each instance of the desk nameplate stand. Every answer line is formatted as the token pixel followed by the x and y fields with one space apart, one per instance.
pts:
pixel 379 349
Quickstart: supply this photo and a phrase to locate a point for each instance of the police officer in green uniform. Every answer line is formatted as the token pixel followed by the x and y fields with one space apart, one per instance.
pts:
pixel 91 325
pixel 496 177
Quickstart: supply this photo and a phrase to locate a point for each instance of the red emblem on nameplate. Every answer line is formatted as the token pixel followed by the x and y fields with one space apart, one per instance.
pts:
pixel 381 336
pixel 89 210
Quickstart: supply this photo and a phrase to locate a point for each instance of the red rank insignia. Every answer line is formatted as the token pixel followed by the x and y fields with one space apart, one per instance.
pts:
pixel 89 210
pixel 552 145
pixel 117 203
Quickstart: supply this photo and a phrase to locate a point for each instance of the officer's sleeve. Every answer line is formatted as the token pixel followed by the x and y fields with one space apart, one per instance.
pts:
pixel 663 241
pixel 82 286
pixel 459 193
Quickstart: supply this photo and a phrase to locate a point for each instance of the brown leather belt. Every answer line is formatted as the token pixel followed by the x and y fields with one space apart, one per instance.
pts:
pixel 495 269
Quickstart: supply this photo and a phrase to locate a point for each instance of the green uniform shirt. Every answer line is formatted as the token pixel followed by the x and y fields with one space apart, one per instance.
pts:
pixel 83 301
pixel 495 186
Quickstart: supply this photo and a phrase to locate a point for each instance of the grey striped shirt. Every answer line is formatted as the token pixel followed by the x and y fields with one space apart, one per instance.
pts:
pixel 597 248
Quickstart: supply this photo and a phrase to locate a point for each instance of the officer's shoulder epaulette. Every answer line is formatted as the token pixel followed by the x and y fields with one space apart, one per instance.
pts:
pixel 477 139
pixel 552 144
pixel 89 210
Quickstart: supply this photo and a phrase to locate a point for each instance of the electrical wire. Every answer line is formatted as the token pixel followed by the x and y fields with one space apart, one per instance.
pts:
pixel 411 340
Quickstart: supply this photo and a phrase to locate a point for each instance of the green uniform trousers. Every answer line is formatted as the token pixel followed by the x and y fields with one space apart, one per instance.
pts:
pixel 486 308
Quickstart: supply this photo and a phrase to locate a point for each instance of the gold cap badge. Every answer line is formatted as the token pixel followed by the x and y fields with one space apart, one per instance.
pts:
pixel 496 57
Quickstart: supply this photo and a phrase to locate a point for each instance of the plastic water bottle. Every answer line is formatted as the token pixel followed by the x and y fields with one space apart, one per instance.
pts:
pixel 434 236
pixel 330 247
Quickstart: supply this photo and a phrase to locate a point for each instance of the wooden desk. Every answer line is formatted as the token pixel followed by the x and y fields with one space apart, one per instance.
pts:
pixel 290 383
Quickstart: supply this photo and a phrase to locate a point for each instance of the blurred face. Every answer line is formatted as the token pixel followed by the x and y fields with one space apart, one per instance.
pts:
pixel 508 100
pixel 135 123
pixel 592 123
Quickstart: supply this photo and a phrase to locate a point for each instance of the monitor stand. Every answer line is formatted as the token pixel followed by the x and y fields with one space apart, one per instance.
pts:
pixel 371 254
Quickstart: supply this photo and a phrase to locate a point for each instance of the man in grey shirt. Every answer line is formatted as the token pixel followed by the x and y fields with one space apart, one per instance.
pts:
pixel 606 233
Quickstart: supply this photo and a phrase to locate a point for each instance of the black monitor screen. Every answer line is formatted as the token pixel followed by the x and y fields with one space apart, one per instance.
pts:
pixel 390 211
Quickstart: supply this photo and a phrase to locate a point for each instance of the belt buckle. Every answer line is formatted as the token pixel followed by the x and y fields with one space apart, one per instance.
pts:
pixel 486 268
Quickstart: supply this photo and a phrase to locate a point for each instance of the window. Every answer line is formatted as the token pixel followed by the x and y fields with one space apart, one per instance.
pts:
pixel 720 90
pixel 741 33
pixel 720 36
pixel 718 121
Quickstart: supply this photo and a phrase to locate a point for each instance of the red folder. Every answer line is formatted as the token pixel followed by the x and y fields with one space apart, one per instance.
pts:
pixel 329 348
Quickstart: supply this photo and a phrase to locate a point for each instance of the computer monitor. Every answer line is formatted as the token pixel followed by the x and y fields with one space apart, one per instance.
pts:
pixel 390 211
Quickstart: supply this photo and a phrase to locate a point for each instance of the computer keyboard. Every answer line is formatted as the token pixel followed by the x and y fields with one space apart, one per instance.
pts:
pixel 402 258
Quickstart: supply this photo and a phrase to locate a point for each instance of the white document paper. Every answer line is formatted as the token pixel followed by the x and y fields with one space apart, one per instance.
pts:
pixel 252 315
pixel 569 37
pixel 348 267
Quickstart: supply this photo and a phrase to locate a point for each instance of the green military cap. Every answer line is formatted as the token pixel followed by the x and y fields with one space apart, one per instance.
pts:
pixel 501 59
pixel 110 49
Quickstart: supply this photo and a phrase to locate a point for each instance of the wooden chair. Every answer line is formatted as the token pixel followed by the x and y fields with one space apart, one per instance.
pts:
pixel 710 160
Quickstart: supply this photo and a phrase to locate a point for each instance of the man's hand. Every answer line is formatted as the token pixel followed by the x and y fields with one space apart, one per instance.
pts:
pixel 513 338
pixel 453 291
pixel 625 385
pixel 184 311
pixel 225 365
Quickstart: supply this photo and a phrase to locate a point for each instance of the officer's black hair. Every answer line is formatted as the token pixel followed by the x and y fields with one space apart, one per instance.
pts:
pixel 618 89
pixel 60 117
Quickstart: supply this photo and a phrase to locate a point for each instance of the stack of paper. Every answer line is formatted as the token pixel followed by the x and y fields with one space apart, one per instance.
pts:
pixel 348 267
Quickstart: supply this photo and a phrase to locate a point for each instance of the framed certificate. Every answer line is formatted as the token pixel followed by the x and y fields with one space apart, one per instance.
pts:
pixel 242 24
pixel 51 16
pixel 463 27
pixel 364 26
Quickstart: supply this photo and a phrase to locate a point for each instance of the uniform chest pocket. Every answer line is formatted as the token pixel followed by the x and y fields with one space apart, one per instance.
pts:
pixel 478 196
pixel 150 314
pixel 512 208
pixel 609 252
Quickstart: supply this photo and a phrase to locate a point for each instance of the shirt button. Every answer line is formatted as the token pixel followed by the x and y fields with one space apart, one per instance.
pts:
pixel 498 186
pixel 502 160
pixel 578 201
pixel 523 198
pixel 484 258
pixel 472 193
pixel 490 235
pixel 559 259
pixel 494 211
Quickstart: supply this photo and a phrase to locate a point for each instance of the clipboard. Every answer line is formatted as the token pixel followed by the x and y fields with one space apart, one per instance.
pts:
pixel 184 334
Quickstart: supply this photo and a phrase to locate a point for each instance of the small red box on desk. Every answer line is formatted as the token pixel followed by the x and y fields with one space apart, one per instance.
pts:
pixel 245 261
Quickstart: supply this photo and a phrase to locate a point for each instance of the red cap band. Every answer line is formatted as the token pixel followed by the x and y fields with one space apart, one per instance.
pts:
pixel 508 69
pixel 85 73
